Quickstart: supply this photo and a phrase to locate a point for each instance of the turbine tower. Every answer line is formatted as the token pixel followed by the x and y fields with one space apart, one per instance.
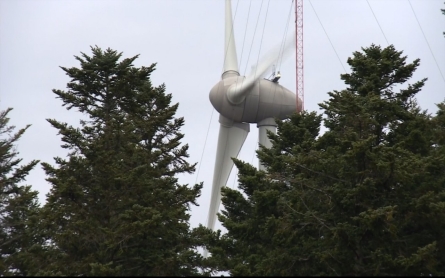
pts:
pixel 241 100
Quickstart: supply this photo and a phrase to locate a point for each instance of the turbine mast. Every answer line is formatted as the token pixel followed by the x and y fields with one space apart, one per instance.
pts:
pixel 299 56
pixel 230 58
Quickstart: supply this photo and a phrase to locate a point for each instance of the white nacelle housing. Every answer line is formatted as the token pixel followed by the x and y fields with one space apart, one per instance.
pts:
pixel 264 99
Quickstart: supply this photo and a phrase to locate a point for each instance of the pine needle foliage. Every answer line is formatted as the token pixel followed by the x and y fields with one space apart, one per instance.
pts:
pixel 367 197
pixel 115 207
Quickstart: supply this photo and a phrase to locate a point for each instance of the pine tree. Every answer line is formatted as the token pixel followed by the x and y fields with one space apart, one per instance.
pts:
pixel 18 205
pixel 367 197
pixel 115 206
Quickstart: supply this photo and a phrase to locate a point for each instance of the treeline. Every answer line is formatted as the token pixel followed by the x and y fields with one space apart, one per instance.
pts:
pixel 366 197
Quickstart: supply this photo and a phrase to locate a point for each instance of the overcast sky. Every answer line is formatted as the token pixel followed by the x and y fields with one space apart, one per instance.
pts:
pixel 185 38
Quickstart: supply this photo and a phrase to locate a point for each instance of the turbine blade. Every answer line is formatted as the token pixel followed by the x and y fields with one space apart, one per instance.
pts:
pixel 238 91
pixel 230 58
pixel 230 140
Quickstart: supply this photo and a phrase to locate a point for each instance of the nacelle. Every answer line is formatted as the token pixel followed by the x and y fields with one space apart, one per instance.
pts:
pixel 264 99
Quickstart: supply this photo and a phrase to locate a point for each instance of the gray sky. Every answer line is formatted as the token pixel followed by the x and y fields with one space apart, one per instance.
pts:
pixel 185 39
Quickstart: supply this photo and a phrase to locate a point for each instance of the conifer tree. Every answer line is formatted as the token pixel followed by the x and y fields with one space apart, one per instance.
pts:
pixel 18 205
pixel 367 197
pixel 115 206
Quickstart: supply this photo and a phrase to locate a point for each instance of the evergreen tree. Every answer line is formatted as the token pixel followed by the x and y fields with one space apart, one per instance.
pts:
pixel 115 206
pixel 367 197
pixel 18 205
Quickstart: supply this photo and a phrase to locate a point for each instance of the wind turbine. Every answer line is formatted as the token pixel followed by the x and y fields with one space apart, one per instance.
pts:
pixel 241 100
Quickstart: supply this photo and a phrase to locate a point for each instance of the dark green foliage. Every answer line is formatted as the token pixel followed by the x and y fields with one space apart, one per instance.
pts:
pixel 18 205
pixel 365 198
pixel 115 207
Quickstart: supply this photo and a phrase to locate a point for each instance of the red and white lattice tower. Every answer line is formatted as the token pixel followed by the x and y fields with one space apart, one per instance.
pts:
pixel 299 47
